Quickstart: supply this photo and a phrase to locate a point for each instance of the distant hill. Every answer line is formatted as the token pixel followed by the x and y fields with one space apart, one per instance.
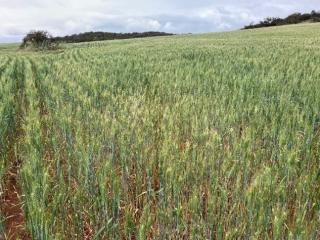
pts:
pixel 294 18
pixel 100 36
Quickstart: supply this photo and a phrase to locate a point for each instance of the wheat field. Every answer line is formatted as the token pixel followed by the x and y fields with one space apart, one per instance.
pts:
pixel 210 136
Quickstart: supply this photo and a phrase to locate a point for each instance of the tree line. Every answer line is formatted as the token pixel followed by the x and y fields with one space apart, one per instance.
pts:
pixel 100 36
pixel 294 18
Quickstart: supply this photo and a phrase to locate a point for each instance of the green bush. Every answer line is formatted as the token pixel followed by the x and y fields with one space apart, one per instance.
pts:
pixel 41 40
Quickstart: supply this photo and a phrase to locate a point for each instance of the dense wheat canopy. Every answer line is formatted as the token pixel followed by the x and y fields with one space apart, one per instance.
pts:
pixel 211 136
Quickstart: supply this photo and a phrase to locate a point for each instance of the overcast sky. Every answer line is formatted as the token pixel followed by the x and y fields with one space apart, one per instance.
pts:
pixel 61 17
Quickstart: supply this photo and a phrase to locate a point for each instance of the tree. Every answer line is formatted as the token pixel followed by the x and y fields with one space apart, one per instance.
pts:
pixel 39 40
pixel 293 18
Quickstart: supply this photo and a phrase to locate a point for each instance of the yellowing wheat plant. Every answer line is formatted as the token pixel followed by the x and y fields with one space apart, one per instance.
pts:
pixel 210 136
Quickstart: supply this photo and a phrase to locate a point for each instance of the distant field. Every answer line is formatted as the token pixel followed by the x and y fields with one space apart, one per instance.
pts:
pixel 8 47
pixel 212 136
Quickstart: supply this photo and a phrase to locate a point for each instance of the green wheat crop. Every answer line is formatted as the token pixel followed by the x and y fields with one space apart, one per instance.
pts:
pixel 212 136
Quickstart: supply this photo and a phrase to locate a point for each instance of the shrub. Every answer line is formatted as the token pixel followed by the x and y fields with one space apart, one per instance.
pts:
pixel 41 40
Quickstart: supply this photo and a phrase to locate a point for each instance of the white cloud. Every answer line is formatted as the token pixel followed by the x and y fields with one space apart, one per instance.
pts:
pixel 168 26
pixel 142 23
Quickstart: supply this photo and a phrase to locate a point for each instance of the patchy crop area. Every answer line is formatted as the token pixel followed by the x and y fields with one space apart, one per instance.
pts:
pixel 212 136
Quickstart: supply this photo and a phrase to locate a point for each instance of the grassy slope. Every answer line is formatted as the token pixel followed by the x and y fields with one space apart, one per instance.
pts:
pixel 210 136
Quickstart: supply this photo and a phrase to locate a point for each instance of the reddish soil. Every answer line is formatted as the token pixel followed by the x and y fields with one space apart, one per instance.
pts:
pixel 11 207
